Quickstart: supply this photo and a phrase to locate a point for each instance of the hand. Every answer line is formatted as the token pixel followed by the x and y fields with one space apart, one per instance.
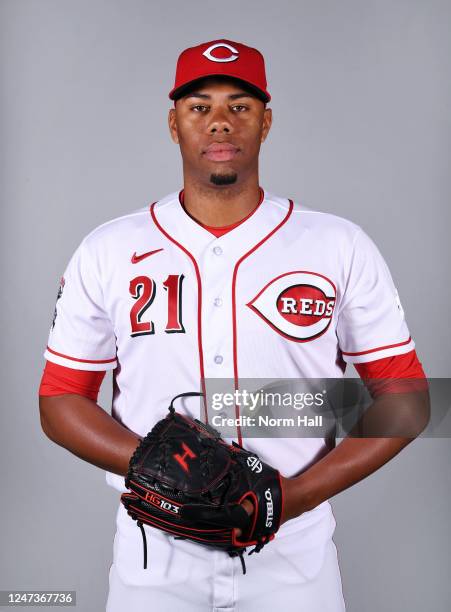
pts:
pixel 249 507
pixel 291 506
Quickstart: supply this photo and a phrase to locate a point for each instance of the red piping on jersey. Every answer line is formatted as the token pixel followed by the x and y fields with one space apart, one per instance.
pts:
pixel 379 348
pixel 81 360
pixel 199 303
pixel 235 272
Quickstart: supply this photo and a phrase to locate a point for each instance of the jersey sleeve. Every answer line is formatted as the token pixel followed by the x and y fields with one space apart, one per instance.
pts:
pixel 371 323
pixel 81 335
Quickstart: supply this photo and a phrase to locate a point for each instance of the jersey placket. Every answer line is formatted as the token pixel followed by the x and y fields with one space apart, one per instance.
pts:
pixel 216 262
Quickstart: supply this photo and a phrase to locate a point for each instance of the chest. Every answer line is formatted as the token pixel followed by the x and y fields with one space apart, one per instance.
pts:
pixel 287 291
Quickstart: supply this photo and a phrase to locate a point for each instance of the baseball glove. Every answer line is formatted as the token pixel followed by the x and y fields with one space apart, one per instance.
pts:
pixel 186 480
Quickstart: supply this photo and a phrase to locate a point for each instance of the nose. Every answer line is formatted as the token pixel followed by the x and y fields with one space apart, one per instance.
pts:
pixel 219 123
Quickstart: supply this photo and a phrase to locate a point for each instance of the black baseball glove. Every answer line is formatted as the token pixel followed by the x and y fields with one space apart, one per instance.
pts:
pixel 186 480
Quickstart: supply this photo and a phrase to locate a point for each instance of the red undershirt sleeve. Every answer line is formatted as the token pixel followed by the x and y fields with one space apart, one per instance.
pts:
pixel 57 380
pixel 396 374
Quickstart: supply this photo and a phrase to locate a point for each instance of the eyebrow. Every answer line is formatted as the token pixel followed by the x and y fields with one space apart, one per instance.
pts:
pixel 196 94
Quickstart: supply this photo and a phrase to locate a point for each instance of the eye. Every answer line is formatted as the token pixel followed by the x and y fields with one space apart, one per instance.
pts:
pixel 239 107
pixel 199 108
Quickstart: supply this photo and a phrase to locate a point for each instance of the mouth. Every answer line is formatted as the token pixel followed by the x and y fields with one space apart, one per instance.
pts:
pixel 221 151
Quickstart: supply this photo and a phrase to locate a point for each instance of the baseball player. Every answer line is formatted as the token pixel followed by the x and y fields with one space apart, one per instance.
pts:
pixel 223 280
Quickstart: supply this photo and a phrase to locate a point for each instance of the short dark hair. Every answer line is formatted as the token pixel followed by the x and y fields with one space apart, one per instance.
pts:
pixel 189 87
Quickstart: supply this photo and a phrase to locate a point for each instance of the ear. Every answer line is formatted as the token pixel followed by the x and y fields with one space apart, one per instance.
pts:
pixel 172 122
pixel 267 122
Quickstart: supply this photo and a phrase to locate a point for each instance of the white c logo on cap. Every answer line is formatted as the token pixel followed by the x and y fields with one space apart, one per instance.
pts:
pixel 234 53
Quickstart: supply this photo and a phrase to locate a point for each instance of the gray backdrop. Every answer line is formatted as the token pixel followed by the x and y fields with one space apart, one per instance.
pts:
pixel 361 99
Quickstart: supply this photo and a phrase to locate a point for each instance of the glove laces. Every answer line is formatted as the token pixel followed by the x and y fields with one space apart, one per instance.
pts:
pixel 143 441
pixel 141 526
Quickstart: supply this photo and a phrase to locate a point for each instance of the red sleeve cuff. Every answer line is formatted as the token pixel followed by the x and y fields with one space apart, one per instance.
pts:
pixel 57 379
pixel 397 374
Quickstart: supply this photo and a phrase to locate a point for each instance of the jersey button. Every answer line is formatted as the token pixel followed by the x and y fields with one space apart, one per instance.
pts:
pixel 218 302
pixel 217 250
pixel 219 359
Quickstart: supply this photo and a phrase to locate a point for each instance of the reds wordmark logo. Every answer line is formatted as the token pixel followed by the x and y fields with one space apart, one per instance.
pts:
pixel 297 305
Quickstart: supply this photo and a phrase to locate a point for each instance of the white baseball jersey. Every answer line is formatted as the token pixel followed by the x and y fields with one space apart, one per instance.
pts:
pixel 289 293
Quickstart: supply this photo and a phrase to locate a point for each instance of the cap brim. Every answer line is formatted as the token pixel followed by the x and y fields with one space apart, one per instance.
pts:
pixel 179 92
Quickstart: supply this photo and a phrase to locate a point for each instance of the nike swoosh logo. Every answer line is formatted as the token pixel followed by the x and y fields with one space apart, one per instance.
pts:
pixel 137 258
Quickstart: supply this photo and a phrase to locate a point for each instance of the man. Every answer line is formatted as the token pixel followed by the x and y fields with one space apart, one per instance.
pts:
pixel 224 280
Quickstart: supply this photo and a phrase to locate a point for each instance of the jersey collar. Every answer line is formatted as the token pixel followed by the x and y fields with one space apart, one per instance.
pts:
pixel 171 219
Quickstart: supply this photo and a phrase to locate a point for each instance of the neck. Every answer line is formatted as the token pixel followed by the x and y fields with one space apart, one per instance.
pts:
pixel 218 206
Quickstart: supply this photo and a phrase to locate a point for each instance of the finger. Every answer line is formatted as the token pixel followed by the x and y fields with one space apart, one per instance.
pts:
pixel 248 506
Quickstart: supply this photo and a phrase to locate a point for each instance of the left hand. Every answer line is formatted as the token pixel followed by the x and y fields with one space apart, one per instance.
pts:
pixel 249 507
pixel 289 509
pixel 295 498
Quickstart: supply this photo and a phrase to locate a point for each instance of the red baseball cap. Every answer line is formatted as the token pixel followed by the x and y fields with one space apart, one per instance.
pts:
pixel 221 58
